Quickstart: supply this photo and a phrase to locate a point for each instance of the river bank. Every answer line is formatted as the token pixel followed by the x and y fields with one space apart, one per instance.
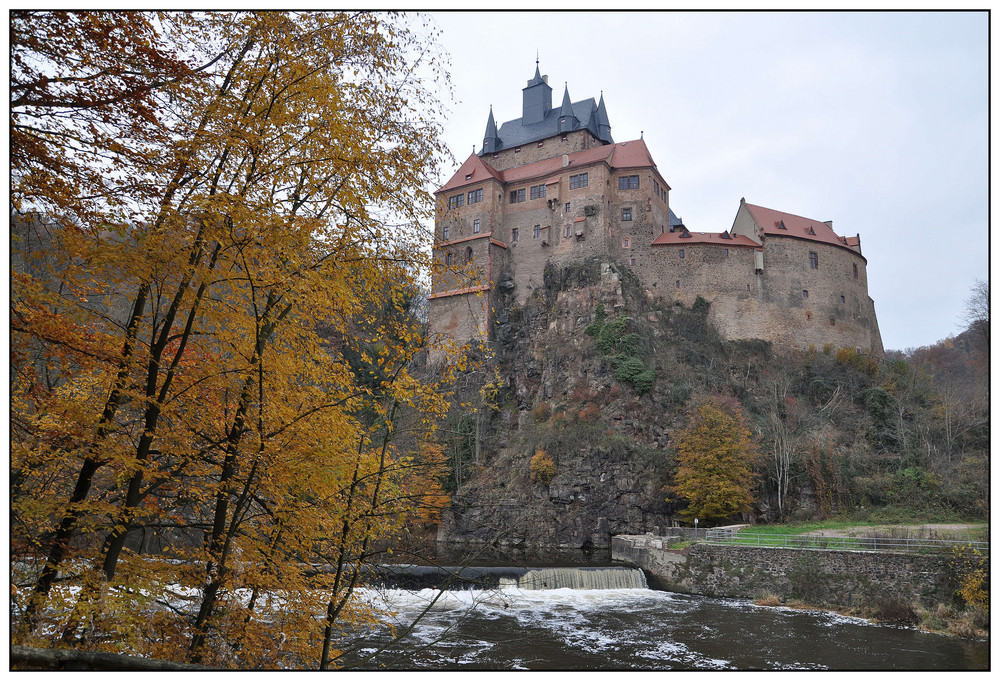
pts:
pixel 915 590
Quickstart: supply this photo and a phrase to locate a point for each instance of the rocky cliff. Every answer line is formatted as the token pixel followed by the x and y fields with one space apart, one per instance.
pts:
pixel 559 400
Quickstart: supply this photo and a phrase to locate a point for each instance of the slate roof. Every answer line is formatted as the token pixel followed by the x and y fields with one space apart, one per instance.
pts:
pixel 515 133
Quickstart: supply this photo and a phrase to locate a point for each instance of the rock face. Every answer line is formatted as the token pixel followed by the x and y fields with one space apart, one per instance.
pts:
pixel 559 398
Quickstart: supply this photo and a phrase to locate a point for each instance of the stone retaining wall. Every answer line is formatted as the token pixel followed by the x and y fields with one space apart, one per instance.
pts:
pixel 847 578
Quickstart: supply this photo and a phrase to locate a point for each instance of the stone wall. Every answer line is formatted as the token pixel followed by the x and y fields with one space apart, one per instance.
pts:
pixel 577 140
pixel 843 578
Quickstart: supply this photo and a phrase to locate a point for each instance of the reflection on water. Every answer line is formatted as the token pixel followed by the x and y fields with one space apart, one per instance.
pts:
pixel 510 628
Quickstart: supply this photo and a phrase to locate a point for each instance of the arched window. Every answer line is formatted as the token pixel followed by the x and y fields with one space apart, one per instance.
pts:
pixel 468 254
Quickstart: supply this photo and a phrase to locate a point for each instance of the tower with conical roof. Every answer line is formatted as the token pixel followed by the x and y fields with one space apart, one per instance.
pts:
pixel 491 143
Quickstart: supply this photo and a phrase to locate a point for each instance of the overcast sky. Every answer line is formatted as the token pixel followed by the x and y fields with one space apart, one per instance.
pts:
pixel 877 121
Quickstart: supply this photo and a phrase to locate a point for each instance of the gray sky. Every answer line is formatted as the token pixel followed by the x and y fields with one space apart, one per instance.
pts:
pixel 877 121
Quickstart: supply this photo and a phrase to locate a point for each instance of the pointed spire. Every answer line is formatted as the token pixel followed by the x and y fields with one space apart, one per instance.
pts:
pixel 603 124
pixel 491 142
pixel 567 118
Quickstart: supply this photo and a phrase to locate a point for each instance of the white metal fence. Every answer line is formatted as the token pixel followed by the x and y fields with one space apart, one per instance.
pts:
pixel 821 543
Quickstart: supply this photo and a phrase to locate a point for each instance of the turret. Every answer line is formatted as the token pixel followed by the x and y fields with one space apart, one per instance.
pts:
pixel 537 98
pixel 491 142
pixel 567 118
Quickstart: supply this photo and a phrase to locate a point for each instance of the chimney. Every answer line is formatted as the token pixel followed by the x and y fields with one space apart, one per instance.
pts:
pixel 828 223
pixel 565 160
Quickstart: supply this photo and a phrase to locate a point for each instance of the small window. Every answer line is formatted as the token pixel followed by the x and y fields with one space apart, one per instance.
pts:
pixel 447 259
pixel 833 322
pixel 677 284
pixel 513 235
pixel 627 214
pixel 725 252
pixel 564 138
pixel 569 229
pixel 813 260
pixel 633 261
pixel 517 150
pixel 468 176
pixel 445 231
pixel 805 294
pixel 538 231
pixel 748 288
pixel 475 226
pixel 567 207
pixel 541 144
pixel 855 271
pixel 468 254
pixel 842 301
pixel 628 182
pixel 681 254
pixel 578 181
pixel 625 242
pixel 809 316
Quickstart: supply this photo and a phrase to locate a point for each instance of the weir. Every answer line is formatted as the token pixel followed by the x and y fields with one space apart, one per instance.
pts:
pixel 429 577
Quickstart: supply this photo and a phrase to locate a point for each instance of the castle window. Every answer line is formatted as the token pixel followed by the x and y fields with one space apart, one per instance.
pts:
pixel 805 294
pixel 809 316
pixel 445 231
pixel 541 144
pixel 842 301
pixel 456 201
pixel 813 260
pixel 681 254
pixel 517 150
pixel 748 288
pixel 628 182
pixel 468 176
pixel 447 259
pixel 625 242
pixel 627 214
pixel 517 196
pixel 475 196
pixel 633 261
pixel 567 207
pixel 568 229
pixel 513 234
pixel 833 322
pixel 468 254
pixel 677 284
pixel 538 231
pixel 725 252
pixel 475 226
pixel 538 191
pixel 578 181
pixel 855 271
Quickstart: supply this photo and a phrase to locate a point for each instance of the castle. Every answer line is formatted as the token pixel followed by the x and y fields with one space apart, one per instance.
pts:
pixel 553 188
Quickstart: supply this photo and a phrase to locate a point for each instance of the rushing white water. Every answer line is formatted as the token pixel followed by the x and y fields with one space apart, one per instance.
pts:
pixel 511 627
pixel 582 578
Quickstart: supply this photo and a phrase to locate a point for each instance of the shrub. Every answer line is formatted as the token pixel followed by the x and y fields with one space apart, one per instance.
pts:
pixel 589 414
pixel 541 412
pixel 542 467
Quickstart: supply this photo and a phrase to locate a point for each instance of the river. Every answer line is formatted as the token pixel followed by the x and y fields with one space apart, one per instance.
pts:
pixel 511 627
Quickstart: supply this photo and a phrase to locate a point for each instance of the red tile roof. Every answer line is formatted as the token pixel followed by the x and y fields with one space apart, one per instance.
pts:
pixel 675 239
pixel 474 166
pixel 632 154
pixel 772 221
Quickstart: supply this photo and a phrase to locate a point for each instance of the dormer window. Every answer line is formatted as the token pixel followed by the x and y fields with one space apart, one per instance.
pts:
pixel 517 150
pixel 563 138
pixel 541 144
pixel 468 176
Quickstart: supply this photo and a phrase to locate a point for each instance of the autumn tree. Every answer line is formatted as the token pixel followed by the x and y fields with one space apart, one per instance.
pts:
pixel 716 457
pixel 180 424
